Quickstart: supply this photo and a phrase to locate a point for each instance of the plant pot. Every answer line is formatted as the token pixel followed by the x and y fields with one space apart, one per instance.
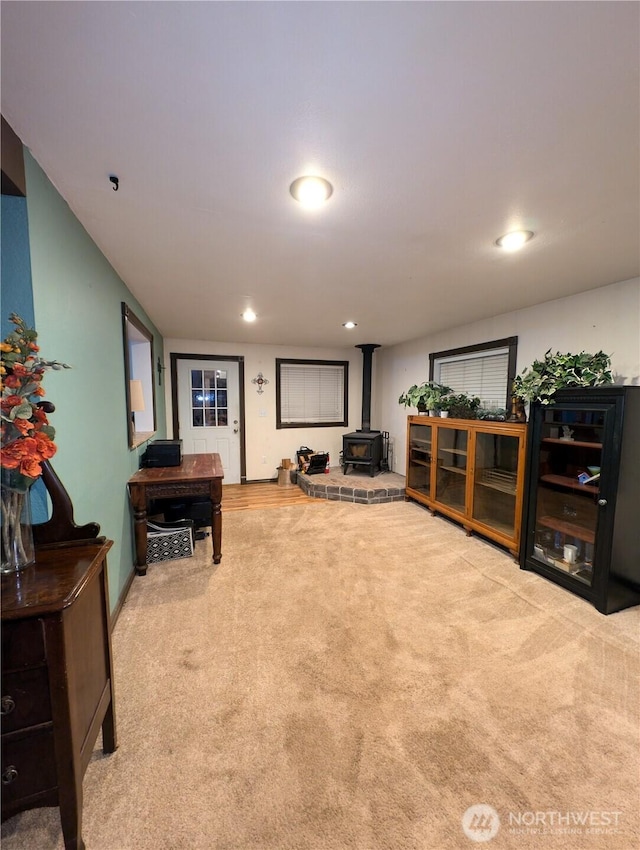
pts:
pixel 444 414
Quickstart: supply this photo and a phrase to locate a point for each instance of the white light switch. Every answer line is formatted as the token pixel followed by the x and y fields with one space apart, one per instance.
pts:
pixel 262 413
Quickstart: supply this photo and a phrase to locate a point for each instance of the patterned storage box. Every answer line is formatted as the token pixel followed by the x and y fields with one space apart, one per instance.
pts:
pixel 169 541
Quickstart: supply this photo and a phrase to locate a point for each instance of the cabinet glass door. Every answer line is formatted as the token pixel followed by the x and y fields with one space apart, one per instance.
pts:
pixel 496 473
pixel 568 484
pixel 419 467
pixel 451 480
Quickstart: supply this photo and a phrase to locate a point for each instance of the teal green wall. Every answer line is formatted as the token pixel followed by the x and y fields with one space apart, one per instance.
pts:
pixel 17 296
pixel 77 297
pixel 16 266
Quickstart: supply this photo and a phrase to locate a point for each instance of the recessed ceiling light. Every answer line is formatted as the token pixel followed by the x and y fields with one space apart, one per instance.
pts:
pixel 249 315
pixel 515 240
pixel 311 191
pixel 349 325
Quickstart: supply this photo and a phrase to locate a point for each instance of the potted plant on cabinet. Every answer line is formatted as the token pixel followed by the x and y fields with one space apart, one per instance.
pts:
pixel 426 396
pixel 461 405
pixel 541 380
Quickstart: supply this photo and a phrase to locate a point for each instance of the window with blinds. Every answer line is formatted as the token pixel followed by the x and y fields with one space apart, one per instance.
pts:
pixel 486 370
pixel 311 393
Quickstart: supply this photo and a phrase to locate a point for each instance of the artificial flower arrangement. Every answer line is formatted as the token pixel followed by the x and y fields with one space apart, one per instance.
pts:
pixel 25 432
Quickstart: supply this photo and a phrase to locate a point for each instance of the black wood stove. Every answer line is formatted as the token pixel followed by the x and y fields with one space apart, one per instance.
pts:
pixel 363 449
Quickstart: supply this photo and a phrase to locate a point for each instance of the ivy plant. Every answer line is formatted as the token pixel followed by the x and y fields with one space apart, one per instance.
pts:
pixel 425 396
pixel 541 380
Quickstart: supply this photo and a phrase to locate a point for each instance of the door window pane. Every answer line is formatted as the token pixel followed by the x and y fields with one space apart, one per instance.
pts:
pixel 208 400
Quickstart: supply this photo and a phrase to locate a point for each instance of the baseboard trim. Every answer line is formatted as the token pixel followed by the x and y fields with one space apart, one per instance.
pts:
pixel 262 481
pixel 122 599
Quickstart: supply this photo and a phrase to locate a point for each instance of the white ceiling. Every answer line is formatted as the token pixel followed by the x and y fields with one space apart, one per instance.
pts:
pixel 440 125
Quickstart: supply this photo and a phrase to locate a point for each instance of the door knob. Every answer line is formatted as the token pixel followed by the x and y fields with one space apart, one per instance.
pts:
pixel 7 705
pixel 602 502
pixel 9 775
pixel 235 430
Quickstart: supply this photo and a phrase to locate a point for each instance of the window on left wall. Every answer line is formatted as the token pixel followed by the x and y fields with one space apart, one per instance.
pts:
pixel 138 374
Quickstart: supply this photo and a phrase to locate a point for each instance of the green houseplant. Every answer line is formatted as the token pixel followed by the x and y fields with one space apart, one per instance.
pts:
pixel 461 405
pixel 425 396
pixel 541 380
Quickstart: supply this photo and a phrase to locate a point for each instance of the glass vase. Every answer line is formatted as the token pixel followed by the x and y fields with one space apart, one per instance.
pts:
pixel 18 550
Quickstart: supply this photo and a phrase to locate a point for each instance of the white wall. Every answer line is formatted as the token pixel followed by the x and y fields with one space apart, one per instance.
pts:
pixel 262 439
pixel 606 319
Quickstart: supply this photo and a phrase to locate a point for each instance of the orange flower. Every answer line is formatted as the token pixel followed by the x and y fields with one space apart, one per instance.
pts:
pixel 29 441
pixel 9 461
pixel 46 447
pixel 10 401
pixel 30 467
pixel 23 425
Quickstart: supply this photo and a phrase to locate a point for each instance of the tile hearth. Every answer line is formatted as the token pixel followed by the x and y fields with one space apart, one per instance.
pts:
pixel 353 487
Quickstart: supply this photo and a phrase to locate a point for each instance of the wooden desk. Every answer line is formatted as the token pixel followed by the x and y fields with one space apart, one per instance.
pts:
pixel 57 680
pixel 197 475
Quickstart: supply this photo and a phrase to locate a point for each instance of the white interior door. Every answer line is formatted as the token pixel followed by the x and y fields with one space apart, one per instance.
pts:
pixel 209 411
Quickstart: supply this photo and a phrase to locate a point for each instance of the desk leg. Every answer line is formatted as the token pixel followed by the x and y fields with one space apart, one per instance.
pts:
pixel 139 505
pixel 216 528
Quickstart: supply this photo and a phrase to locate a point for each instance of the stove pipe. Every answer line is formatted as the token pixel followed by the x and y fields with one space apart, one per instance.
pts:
pixel 367 354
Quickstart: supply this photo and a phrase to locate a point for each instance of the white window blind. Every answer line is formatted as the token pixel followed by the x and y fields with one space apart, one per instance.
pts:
pixel 483 374
pixel 311 393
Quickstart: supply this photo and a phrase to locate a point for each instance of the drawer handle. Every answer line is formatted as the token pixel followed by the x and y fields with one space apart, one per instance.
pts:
pixel 9 775
pixel 7 704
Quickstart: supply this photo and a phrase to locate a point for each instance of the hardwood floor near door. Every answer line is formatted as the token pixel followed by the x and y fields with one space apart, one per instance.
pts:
pixel 247 497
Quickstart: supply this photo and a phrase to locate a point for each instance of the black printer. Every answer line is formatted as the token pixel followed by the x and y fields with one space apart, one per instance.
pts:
pixel 163 453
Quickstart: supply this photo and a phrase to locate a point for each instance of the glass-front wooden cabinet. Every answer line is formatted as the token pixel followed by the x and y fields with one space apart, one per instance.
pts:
pixel 471 471
pixel 419 459
pixel 451 478
pixel 583 495
pixel 498 460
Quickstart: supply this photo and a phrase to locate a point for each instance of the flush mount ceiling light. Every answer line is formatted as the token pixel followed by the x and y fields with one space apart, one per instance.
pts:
pixel 349 325
pixel 515 240
pixel 311 191
pixel 249 315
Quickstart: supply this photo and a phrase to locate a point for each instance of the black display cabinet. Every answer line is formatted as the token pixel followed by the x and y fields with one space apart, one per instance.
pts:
pixel 581 516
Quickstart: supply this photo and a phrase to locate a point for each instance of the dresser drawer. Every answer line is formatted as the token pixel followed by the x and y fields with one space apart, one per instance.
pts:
pixel 28 765
pixel 25 699
pixel 22 644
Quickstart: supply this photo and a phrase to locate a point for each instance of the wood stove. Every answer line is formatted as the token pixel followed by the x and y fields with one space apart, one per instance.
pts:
pixel 363 449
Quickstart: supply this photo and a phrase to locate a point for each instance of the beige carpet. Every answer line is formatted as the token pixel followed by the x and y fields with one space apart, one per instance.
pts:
pixel 356 677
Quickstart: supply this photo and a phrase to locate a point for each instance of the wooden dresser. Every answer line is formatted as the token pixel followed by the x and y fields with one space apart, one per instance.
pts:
pixel 57 678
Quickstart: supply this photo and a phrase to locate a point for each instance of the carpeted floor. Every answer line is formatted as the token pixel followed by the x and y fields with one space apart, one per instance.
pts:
pixel 356 678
